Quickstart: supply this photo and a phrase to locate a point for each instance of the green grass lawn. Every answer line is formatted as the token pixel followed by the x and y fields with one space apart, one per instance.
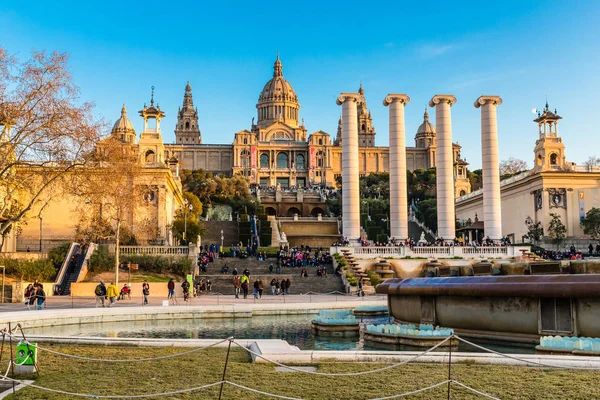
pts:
pixel 206 366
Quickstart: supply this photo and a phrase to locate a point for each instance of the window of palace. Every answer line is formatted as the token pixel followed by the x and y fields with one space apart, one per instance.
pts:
pixel 245 140
pixel 150 157
pixel 300 161
pixel 245 156
pixel 320 141
pixel 553 159
pixel 264 161
pixel 462 192
pixel 301 182
pixel 264 181
pixel 282 161
pixel 283 182
pixel 187 125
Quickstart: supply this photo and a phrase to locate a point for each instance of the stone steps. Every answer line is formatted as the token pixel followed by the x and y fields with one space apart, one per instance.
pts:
pixel 224 283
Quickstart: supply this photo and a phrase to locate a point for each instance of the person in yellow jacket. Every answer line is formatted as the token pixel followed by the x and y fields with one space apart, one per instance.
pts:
pixel 112 293
pixel 245 284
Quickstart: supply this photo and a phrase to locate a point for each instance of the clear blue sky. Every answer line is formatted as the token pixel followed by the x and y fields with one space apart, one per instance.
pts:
pixel 520 50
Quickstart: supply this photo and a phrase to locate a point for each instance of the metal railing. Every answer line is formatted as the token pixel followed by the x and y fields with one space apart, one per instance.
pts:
pixel 155 250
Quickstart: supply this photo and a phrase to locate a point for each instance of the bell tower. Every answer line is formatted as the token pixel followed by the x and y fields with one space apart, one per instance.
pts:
pixel 187 130
pixel 150 145
pixel 366 131
pixel 549 148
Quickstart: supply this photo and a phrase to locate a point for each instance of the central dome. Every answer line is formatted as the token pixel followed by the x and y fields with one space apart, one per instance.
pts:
pixel 278 89
pixel 123 128
pixel 278 101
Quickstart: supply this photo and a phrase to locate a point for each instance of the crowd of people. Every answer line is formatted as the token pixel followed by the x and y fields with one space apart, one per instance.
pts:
pixel 439 242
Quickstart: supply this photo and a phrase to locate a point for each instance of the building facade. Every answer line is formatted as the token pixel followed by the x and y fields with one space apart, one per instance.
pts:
pixel 553 186
pixel 277 150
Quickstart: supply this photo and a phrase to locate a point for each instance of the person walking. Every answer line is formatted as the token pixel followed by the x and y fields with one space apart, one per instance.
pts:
pixel 260 288
pixel 255 289
pixel 112 293
pixel 287 286
pixel 273 286
pixel 277 286
pixel 185 286
pixel 146 291
pixel 100 293
pixel 171 287
pixel 245 284
pixel 360 291
pixel 237 284
pixel 40 297
pixel 29 296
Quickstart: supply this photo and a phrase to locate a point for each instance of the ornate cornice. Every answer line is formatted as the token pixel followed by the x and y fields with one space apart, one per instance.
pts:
pixel 390 98
pixel 442 98
pixel 348 96
pixel 483 100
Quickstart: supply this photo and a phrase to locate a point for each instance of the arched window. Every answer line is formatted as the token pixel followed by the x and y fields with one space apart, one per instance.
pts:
pixel 319 159
pixel 150 157
pixel 187 125
pixel 363 127
pixel 553 159
pixel 245 156
pixel 300 161
pixel 264 161
pixel 282 160
pixel 245 140
pixel 462 192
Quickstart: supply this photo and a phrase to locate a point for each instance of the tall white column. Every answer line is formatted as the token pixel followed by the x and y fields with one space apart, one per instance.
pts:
pixel 350 174
pixel 398 189
pixel 444 164
pixel 490 164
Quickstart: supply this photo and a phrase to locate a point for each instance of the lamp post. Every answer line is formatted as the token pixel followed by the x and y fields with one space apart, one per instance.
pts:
pixel 222 237
pixel 41 219
pixel 3 275
pixel 185 211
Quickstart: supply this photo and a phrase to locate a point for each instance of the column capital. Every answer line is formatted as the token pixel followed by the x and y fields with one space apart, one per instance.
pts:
pixel 390 98
pixel 442 98
pixel 348 96
pixel 482 100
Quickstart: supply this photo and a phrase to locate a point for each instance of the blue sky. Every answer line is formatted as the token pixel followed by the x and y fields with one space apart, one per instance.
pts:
pixel 520 50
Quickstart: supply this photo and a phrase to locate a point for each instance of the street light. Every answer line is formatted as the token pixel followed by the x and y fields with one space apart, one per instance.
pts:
pixel 3 274
pixel 185 210
pixel 222 237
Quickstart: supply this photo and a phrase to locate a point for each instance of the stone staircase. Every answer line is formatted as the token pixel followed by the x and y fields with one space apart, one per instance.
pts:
pixel 223 283
pixel 358 272
pixel 213 232
pixel 275 235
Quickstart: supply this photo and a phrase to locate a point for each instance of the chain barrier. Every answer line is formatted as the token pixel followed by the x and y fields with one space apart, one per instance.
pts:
pixel 343 374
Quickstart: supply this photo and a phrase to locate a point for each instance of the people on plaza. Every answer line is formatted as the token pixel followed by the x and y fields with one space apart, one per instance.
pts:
pixel 171 288
pixel 40 297
pixel 245 285
pixel 260 288
pixel 237 284
pixel 185 286
pixel 272 284
pixel 112 293
pixel 29 296
pixel 125 291
pixel 255 288
pixel 100 293
pixel 145 291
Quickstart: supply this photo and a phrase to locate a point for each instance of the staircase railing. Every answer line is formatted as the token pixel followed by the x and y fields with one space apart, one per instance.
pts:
pixel 65 265
pixel 83 270
pixel 412 216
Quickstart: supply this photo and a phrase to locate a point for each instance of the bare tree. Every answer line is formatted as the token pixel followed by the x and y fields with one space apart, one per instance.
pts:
pixel 512 166
pixel 45 131
pixel 591 162
pixel 111 191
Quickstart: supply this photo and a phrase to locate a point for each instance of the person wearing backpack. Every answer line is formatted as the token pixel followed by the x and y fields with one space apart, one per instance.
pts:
pixel 100 293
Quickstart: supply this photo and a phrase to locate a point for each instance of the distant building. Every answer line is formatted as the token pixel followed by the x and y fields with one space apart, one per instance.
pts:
pixel 276 148
pixel 553 186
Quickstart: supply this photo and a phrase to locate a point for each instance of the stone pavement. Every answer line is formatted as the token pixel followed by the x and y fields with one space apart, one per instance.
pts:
pixel 66 302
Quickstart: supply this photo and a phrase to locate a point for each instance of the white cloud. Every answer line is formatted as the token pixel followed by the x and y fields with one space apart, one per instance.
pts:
pixel 433 50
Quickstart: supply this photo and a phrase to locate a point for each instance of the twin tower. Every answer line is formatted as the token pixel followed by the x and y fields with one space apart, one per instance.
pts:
pixel 443 161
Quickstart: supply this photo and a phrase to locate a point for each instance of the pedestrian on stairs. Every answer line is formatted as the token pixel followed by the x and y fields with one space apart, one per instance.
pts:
pixel 245 285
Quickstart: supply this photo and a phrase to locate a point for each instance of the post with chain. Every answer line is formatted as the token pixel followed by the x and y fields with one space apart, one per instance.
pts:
pixel 450 365
pixel 225 368
pixel 12 363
